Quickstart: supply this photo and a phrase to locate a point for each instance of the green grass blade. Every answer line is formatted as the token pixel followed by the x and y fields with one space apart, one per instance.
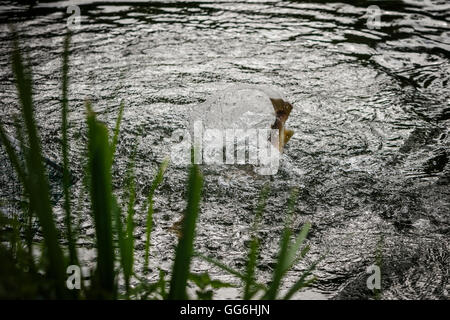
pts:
pixel 118 227
pixel 184 249
pixel 228 269
pixel 162 284
pixel 149 225
pixel 128 255
pixel 73 259
pixel 19 168
pixel 37 178
pixel 26 208
pixel 262 201
pixel 13 158
pixel 99 153
pixel 249 279
pixel 220 265
pixel 117 130
pixel 281 266
pixel 302 282
pixel 293 250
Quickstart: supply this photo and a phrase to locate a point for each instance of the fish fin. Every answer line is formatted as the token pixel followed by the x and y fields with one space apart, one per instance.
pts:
pixel 288 135
pixel 281 107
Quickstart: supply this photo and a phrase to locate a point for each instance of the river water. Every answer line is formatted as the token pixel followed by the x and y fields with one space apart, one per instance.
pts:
pixel 371 118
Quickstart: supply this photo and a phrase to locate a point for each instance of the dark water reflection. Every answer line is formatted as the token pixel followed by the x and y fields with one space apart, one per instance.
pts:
pixel 371 115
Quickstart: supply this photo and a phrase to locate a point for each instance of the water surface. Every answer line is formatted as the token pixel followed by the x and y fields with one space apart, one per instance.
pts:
pixel 371 116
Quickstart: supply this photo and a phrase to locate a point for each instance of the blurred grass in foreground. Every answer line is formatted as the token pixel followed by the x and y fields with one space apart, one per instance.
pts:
pixel 23 275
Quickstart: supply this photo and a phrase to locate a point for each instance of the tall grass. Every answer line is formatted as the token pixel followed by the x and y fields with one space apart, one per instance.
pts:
pixel 250 288
pixel 126 235
pixel 149 223
pixel 184 249
pixel 288 255
pixel 33 176
pixel 73 259
pixel 114 226
pixel 99 151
